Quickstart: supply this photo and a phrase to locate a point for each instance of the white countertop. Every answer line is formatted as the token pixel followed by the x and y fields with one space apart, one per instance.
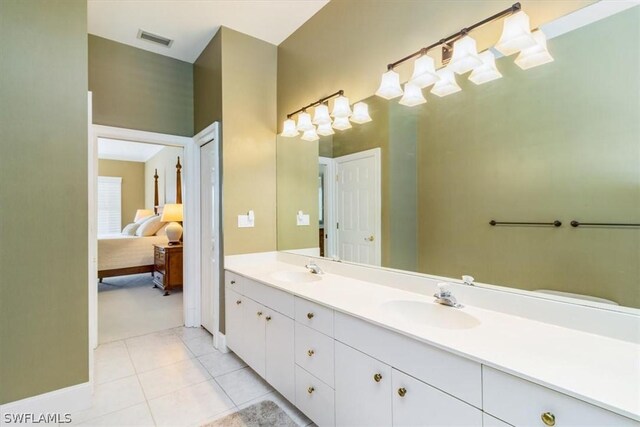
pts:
pixel 593 368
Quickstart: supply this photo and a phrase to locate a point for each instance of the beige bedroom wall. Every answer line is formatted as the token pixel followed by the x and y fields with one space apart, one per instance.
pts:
pixel 133 185
pixel 165 162
pixel 43 197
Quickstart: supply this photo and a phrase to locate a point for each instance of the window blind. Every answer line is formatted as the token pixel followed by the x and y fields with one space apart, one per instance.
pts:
pixel 109 204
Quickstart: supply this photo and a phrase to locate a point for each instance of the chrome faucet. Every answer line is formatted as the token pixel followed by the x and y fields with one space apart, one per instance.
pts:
pixel 468 280
pixel 314 268
pixel 444 297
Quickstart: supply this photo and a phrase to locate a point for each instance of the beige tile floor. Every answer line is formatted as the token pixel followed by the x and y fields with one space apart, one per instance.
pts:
pixel 172 378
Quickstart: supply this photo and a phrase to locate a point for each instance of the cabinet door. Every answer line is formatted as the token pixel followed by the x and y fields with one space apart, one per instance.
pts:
pixel 279 353
pixel 253 315
pixel 233 303
pixel 363 389
pixel 418 404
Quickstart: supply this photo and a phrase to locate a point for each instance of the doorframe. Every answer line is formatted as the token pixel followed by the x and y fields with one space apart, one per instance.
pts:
pixel 329 206
pixel 210 135
pixel 376 154
pixel 191 162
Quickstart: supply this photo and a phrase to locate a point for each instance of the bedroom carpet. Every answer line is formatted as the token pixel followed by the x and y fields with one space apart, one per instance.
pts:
pixel 129 306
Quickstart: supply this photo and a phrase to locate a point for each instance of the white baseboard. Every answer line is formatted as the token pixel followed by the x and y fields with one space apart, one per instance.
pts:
pixel 221 342
pixel 63 401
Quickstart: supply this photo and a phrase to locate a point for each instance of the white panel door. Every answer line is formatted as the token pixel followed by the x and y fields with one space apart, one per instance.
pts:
pixel 279 361
pixel 209 245
pixel 234 316
pixel 418 404
pixel 358 207
pixel 363 389
pixel 253 315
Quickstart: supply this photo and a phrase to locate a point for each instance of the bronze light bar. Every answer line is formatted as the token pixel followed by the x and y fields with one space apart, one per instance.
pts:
pixel 575 223
pixel 318 102
pixel 555 223
pixel 453 37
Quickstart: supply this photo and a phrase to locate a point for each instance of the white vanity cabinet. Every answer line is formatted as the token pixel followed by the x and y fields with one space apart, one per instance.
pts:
pixel 233 320
pixel 279 361
pixel 253 323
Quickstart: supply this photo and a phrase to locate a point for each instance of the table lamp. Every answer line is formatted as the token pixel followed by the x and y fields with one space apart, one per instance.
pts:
pixel 172 213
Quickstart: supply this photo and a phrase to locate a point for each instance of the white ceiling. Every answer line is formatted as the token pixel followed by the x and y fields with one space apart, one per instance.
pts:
pixel 114 149
pixel 192 23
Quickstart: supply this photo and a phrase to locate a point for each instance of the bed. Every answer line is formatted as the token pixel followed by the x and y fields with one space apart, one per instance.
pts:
pixel 121 255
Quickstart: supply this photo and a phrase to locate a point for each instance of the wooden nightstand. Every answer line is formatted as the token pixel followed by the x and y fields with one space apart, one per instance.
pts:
pixel 167 267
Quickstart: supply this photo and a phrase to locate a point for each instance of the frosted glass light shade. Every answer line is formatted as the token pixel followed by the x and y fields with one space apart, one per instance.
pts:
pixel 341 107
pixel 310 135
pixel 465 55
pixel 447 83
pixel 424 72
pixel 487 71
pixel 535 55
pixel 321 115
pixel 516 34
pixel 390 85
pixel 289 128
pixel 325 129
pixel 360 113
pixel 412 95
pixel 341 123
pixel 304 122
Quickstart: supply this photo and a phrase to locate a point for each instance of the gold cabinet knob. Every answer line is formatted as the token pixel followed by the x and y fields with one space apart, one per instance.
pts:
pixel 238 302
pixel 548 419
pixel 233 282
pixel 311 352
pixel 310 316
pixel 259 313
pixel 402 391
pixel 377 378
pixel 268 318
pixel 311 390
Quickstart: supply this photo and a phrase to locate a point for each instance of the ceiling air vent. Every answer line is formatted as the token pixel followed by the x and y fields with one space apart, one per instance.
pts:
pixel 154 38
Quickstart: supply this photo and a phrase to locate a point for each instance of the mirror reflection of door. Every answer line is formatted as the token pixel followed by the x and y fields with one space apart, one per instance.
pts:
pixel 358 207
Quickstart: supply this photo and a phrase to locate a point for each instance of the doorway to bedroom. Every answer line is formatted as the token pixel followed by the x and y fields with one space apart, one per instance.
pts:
pixel 139 247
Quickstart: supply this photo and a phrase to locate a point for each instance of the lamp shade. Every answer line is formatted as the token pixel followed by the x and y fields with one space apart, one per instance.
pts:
pixel 341 107
pixel 341 123
pixel 304 122
pixel 310 135
pixel 535 55
pixel 142 213
pixel 424 72
pixel 325 129
pixel 321 115
pixel 412 95
pixel 390 85
pixel 289 128
pixel 360 113
pixel 516 34
pixel 447 83
pixel 171 213
pixel 487 71
pixel 465 55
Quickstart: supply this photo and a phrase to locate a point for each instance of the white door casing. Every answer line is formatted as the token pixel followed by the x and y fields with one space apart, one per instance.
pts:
pixel 329 207
pixel 358 207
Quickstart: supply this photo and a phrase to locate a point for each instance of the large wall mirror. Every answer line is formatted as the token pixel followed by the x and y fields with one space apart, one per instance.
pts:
pixel 417 188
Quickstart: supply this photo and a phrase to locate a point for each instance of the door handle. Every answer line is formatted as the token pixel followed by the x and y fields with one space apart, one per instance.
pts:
pixel 370 238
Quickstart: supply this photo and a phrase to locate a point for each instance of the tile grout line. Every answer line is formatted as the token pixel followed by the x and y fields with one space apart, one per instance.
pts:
pixel 146 400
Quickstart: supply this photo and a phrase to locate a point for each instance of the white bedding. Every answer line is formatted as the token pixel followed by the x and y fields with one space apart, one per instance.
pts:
pixel 118 251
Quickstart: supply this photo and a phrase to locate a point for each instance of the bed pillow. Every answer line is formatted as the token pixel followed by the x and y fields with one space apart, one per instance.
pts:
pixel 149 227
pixel 163 230
pixel 143 219
pixel 130 229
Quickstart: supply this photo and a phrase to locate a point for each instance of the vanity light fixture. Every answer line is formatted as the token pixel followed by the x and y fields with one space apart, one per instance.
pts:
pixel 487 71
pixel 536 55
pixel 460 55
pixel 412 95
pixel 341 113
pixel 360 113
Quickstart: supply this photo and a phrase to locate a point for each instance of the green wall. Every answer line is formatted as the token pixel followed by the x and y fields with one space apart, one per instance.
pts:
pixel 43 197
pixel 136 89
pixel 207 83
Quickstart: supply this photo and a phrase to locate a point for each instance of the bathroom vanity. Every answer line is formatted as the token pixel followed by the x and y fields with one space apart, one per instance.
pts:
pixel 350 352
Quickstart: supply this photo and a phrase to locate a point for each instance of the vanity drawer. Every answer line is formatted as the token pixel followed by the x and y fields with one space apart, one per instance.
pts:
pixel 275 299
pixel 452 374
pixel 489 421
pixel 314 398
pixel 234 281
pixel 314 352
pixel 314 315
pixel 523 403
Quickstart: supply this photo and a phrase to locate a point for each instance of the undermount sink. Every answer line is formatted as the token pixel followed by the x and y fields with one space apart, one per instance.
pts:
pixel 295 276
pixel 436 315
